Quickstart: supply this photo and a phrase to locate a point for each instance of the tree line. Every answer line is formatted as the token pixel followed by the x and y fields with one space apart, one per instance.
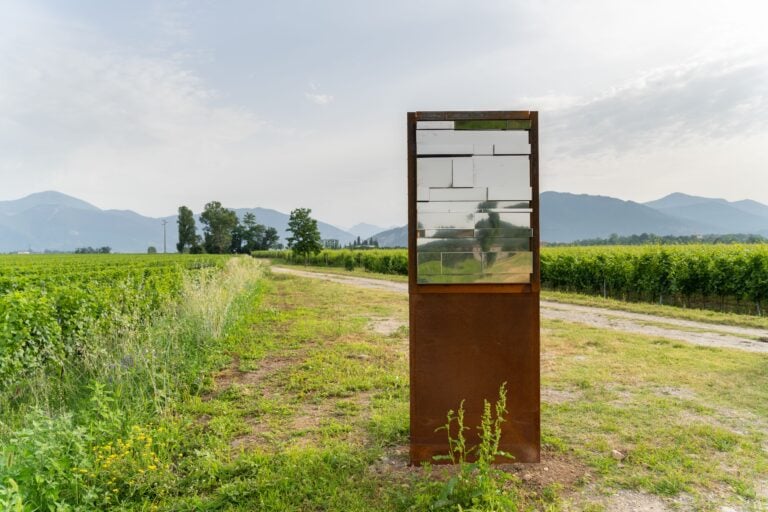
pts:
pixel 224 233
pixel 652 239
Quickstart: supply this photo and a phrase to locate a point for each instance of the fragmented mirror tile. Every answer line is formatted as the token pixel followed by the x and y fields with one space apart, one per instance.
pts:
pixel 473 202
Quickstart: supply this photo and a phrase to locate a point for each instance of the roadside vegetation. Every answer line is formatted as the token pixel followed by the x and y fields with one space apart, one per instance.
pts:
pixel 88 411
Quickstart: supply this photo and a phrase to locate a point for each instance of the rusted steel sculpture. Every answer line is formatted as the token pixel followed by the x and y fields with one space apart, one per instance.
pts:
pixel 473 248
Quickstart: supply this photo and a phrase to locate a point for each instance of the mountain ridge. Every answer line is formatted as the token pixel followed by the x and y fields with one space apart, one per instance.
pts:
pixel 567 217
pixel 52 220
pixel 55 221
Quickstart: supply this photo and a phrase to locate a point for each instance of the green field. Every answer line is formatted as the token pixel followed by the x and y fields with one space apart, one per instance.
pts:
pixel 244 390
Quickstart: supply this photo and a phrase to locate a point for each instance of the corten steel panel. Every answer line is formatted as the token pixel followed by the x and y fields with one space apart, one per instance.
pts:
pixel 467 339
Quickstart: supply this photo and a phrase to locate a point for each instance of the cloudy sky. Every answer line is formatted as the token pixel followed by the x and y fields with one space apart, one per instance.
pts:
pixel 147 105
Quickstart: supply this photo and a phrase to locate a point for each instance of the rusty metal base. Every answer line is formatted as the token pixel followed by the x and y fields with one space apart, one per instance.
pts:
pixel 463 347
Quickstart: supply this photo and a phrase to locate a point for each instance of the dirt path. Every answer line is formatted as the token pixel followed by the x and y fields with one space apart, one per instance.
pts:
pixel 698 333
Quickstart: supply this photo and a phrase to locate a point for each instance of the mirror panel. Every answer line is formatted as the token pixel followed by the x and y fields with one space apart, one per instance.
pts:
pixel 463 173
pixel 434 172
pixel 473 202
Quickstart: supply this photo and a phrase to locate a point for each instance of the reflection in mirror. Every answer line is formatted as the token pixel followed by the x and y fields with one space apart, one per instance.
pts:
pixel 428 263
pixel 503 232
pixel 523 193
pixel 448 233
pixel 446 149
pixel 510 139
pixel 472 245
pixel 507 262
pixel 434 172
pixel 462 263
pixel 446 220
pixel 473 208
pixel 473 278
pixel 503 219
pixel 463 172
pixel 434 125
pixel 458 194
pixel 482 124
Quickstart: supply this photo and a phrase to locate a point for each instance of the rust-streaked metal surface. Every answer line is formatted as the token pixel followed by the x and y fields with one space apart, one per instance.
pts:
pixel 467 338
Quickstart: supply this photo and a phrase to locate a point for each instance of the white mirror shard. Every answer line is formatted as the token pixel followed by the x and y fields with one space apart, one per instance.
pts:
pixel 473 202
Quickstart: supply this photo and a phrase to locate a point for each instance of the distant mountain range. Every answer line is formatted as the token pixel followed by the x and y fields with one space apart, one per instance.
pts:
pixel 569 217
pixel 55 221
pixel 58 222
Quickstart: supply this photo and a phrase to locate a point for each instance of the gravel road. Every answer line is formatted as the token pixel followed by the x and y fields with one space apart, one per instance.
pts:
pixel 698 333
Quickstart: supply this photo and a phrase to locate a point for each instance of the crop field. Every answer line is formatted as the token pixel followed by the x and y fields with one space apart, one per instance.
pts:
pixel 50 305
pixel 718 277
pixel 197 383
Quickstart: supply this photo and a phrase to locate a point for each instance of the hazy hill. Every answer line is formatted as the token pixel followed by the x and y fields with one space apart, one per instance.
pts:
pixel 364 230
pixel 717 215
pixel 567 217
pixel 395 237
pixel 47 198
pixel 56 221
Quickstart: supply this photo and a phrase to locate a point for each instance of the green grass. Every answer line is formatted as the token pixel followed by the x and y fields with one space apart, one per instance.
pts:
pixel 316 385
pixel 689 419
pixel 296 404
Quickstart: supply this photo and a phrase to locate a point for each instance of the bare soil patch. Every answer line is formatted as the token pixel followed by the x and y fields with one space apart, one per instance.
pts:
pixel 554 468
pixel 634 501
pixel 386 326
pixel 233 375
pixel 558 396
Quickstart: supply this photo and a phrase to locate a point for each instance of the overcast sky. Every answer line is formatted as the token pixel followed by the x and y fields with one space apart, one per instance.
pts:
pixel 147 105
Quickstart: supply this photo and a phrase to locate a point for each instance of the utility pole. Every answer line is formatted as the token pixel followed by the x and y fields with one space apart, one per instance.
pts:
pixel 164 222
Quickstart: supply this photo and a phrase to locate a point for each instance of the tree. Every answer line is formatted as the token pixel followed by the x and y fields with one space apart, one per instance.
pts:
pixel 236 244
pixel 219 223
pixel 305 237
pixel 253 232
pixel 269 240
pixel 151 249
pixel 188 236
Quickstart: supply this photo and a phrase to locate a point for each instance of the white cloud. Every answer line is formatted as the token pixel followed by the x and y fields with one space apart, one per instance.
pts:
pixel 713 98
pixel 318 99
pixel 112 126
pixel 316 96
